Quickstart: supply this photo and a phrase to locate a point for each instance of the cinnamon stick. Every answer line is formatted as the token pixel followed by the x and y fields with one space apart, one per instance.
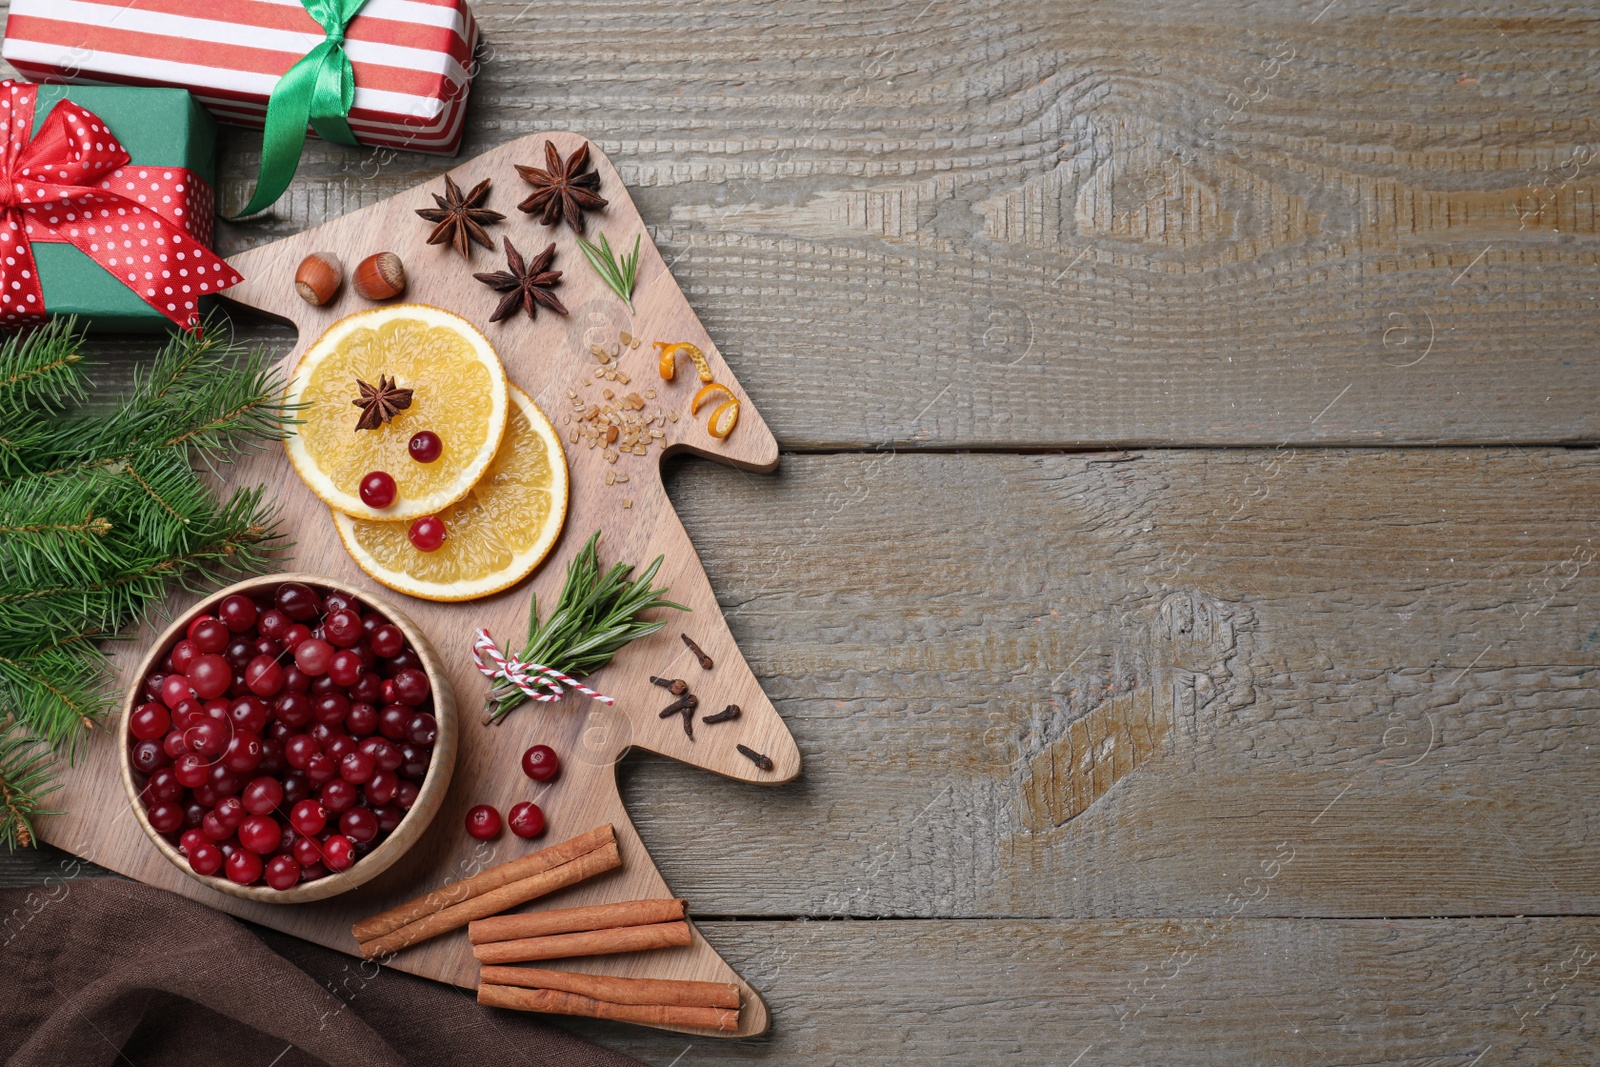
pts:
pixel 483 905
pixel 566 920
pixel 585 943
pixel 556 1002
pixel 493 878
pixel 680 992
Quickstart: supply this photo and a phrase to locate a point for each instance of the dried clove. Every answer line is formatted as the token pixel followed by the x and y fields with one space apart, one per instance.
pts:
pixel 755 757
pixel 677 686
pixel 706 662
pixel 727 714
pixel 688 722
pixel 688 702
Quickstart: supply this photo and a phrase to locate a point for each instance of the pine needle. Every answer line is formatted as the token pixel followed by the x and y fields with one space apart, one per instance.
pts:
pixel 594 617
pixel 27 776
pixel 620 276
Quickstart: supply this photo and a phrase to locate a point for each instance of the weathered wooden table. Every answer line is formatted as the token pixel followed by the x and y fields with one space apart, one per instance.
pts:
pixel 1181 574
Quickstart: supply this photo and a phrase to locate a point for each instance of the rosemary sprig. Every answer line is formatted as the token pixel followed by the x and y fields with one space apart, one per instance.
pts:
pixel 619 275
pixel 595 615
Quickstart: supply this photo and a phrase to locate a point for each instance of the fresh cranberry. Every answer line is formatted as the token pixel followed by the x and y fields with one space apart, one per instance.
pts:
pixel 361 720
pixel 266 646
pixel 212 826
pixel 194 813
pixel 425 446
pixel 339 795
pixel 165 785
pixel 422 729
pixel 272 761
pixel 298 750
pixel 298 601
pixel 243 753
pixel 392 721
pixel 414 760
pixel 224 781
pixel 295 680
pixel 205 858
pixel 387 640
pixel 296 787
pixel 330 709
pixel 191 769
pixel 322 685
pixel 306 849
pixel 165 816
pixel 210 675
pixel 382 752
pixel 321 769
pixel 260 834
pixel 311 872
pixel 149 721
pixel 483 822
pixel 359 825
pixel 206 793
pixel 388 696
pixel 148 756
pixel 427 533
pixel 526 819
pixel 243 866
pixel 389 816
pixel 380 788
pixel 262 796
pixel 183 654
pixel 274 624
pixel 346 667
pixel 237 612
pixel 308 817
pixel 153 685
pixel 338 852
pixel 405 795
pixel 263 675
pixel 249 713
pixel 282 872
pixel 209 634
pixel 230 810
pixel 174 690
pixel 174 744
pixel 343 627
pixel 377 489
pixel 339 745
pixel 295 709
pixel 540 763
pixel 404 660
pixel 191 837
pixel 357 767
pixel 411 686
pixel 313 656
pixel 239 652
pixel 207 737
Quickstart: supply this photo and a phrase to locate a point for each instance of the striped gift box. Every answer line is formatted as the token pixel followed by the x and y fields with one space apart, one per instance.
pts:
pixel 412 58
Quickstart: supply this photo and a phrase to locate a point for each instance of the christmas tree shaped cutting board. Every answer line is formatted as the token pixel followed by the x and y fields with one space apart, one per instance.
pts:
pixel 558 361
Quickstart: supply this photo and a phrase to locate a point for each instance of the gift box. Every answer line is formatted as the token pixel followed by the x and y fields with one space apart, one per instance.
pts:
pixel 106 206
pixel 412 58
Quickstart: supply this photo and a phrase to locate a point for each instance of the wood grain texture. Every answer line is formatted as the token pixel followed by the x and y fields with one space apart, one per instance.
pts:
pixel 1016 224
pixel 548 357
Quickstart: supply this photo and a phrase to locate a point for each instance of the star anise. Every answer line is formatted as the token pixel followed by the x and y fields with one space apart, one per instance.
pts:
pixel 380 403
pixel 526 285
pixel 562 190
pixel 460 218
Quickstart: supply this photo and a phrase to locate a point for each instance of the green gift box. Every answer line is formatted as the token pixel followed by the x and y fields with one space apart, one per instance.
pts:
pixel 158 128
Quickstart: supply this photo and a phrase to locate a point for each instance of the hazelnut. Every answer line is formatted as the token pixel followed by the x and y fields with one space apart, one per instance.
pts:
pixel 318 278
pixel 380 276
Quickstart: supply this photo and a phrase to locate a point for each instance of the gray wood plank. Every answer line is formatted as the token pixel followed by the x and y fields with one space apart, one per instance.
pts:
pixel 1000 225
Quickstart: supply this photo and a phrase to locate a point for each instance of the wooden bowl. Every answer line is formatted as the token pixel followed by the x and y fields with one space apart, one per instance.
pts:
pixel 429 797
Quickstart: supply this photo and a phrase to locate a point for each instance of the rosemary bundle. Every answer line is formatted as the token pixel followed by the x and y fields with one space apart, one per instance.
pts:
pixel 621 274
pixel 100 516
pixel 595 615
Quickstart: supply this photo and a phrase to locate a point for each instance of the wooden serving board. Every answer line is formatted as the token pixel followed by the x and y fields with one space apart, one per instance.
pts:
pixel 545 357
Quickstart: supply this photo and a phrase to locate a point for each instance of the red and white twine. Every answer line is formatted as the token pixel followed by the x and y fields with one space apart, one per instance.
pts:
pixel 535 680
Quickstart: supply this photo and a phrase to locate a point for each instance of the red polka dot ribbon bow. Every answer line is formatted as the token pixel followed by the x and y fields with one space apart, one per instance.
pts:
pixel 536 682
pixel 73 183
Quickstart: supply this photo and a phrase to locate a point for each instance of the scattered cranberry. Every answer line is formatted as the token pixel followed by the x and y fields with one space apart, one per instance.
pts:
pixel 425 446
pixel 526 819
pixel 483 822
pixel 377 489
pixel 427 533
pixel 540 763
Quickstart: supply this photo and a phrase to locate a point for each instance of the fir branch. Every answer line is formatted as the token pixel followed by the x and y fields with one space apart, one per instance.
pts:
pixel 619 275
pixel 40 371
pixel 27 776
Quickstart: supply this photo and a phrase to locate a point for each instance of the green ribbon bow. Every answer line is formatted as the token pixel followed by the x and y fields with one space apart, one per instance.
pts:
pixel 318 90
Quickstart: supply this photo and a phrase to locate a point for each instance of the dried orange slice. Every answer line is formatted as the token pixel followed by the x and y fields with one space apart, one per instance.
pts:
pixel 669 359
pixel 707 393
pixel 723 420
pixel 498 533
pixel 458 390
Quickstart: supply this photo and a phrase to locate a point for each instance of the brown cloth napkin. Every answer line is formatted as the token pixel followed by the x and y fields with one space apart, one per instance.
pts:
pixel 108 972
